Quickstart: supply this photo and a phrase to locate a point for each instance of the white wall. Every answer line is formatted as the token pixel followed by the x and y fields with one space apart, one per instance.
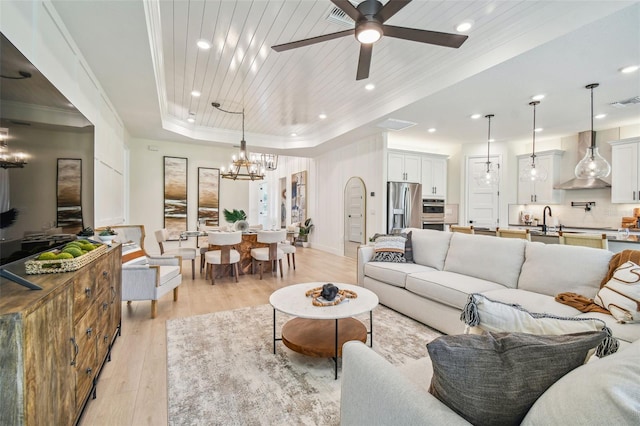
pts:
pixel 147 189
pixel 35 28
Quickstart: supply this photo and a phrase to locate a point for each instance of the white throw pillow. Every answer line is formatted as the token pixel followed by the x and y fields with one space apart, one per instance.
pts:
pixel 621 294
pixel 483 314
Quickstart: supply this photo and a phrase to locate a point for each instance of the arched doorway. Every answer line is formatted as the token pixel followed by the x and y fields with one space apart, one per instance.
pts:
pixel 355 218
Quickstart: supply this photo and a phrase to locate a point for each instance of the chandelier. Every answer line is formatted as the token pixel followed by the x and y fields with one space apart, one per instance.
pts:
pixel 8 159
pixel 246 166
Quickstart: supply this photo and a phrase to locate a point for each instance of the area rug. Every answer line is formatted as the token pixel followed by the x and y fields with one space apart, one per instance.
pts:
pixel 221 368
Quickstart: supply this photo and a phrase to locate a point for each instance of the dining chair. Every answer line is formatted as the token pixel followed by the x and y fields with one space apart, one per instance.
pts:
pixel 524 234
pixel 226 255
pixel 186 253
pixel 272 253
pixel 462 229
pixel 586 240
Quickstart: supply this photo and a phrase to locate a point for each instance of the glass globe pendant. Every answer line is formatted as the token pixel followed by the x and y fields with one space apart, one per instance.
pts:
pixel 533 172
pixel 593 165
pixel 489 176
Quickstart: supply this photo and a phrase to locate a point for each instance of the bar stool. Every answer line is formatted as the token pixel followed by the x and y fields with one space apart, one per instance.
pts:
pixel 227 255
pixel 271 253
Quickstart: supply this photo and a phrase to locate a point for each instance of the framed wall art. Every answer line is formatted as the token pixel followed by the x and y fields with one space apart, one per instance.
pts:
pixel 175 196
pixel 69 195
pixel 283 202
pixel 299 197
pixel 208 196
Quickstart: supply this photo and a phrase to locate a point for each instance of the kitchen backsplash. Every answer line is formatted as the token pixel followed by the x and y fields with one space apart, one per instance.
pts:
pixel 603 215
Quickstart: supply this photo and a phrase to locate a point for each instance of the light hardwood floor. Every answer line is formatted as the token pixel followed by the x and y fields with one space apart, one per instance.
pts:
pixel 132 389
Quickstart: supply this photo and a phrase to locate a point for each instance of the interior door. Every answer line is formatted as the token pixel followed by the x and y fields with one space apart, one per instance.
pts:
pixel 482 203
pixel 354 211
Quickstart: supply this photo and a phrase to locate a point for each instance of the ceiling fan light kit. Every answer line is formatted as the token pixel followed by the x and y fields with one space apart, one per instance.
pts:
pixel 593 165
pixel 369 17
pixel 533 172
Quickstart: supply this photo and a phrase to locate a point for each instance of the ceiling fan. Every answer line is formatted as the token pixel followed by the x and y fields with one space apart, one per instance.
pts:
pixel 370 16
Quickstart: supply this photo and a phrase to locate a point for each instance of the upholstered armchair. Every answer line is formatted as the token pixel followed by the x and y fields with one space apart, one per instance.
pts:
pixel 148 277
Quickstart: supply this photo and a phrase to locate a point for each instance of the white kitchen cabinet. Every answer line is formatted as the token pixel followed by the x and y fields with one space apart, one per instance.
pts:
pixel 403 167
pixel 434 177
pixel 625 179
pixel 540 192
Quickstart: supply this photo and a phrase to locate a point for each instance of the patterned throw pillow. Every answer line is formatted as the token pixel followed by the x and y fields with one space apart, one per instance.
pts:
pixel 389 248
pixel 621 294
pixel 494 378
pixel 408 246
pixel 483 314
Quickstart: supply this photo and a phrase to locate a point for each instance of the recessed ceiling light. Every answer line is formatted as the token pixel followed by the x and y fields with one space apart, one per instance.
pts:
pixel 431 130
pixel 204 44
pixel 195 94
pixel 492 140
pixel 538 129
pixel 537 97
pixel 322 116
pixel 294 134
pixel 475 116
pixel 191 120
pixel 599 116
pixel 370 86
pixel 464 26
pixel 630 68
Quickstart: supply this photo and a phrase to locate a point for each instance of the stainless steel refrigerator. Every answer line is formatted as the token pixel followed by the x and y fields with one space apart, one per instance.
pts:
pixel 404 206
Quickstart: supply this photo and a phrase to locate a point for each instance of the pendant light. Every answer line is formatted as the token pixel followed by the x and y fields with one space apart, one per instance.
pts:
pixel 533 172
pixel 489 176
pixel 593 165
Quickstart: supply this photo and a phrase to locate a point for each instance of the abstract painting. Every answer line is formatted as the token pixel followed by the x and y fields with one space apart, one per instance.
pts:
pixel 69 195
pixel 175 196
pixel 299 197
pixel 283 202
pixel 208 196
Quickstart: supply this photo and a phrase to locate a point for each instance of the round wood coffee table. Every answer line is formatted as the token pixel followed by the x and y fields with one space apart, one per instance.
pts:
pixel 320 331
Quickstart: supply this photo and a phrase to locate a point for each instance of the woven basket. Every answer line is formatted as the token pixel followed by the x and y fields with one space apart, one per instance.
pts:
pixel 63 265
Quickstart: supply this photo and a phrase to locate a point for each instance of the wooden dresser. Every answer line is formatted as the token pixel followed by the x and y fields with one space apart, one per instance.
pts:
pixel 54 341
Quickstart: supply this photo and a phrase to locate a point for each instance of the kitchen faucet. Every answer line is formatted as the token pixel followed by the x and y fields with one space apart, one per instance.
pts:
pixel 544 218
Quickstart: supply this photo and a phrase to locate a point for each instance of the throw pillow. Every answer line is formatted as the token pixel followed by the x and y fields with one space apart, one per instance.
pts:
pixel 494 378
pixel 621 294
pixel 483 314
pixel 132 254
pixel 389 248
pixel 408 245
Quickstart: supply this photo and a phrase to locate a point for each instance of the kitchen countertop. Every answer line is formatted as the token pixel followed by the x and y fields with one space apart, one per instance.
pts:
pixel 537 234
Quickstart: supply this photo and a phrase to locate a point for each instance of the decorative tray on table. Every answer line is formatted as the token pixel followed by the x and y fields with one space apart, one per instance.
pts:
pixel 58 260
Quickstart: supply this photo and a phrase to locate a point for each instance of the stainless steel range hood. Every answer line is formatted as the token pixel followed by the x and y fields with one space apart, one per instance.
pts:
pixel 584 141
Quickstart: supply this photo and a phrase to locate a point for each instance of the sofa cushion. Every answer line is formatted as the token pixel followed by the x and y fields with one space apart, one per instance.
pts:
pixel 625 332
pixel 606 391
pixel 621 294
pixel 392 273
pixel 484 314
pixel 489 258
pixel 429 247
pixel 494 378
pixel 554 268
pixel 532 302
pixel 448 288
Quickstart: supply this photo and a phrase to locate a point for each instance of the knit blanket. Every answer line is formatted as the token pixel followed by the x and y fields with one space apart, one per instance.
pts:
pixel 585 304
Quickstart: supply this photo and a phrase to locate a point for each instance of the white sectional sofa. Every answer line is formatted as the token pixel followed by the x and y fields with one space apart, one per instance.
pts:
pixel 450 266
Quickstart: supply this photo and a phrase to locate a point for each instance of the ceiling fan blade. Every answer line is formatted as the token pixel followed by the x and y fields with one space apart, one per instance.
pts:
pixel 424 36
pixel 348 8
pixel 312 40
pixel 364 62
pixel 390 9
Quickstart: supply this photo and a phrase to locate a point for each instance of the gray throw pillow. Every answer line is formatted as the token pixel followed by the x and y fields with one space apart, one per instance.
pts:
pixel 494 378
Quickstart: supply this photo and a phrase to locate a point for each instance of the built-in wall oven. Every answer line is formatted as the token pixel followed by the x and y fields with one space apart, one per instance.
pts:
pixel 433 214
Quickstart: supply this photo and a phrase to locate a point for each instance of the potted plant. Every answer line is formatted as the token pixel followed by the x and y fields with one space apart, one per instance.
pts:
pixel 305 230
pixel 107 235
